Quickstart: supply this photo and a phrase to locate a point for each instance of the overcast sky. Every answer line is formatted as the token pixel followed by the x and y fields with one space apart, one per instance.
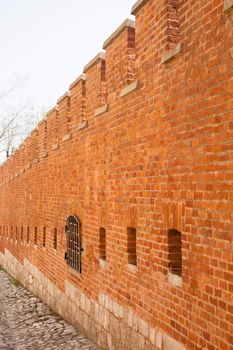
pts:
pixel 50 41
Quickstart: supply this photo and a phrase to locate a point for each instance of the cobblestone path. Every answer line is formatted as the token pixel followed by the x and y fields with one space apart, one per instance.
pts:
pixel 27 324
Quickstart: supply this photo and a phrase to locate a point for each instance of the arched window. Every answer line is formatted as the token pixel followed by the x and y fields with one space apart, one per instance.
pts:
pixel 73 242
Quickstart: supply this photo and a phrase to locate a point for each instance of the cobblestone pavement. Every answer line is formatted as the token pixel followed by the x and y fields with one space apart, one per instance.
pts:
pixel 27 324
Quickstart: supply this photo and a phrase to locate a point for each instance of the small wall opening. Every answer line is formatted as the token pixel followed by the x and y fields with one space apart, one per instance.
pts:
pixel 44 237
pixel 35 238
pixel 55 239
pixel 102 243
pixel 21 233
pixel 132 245
pixel 175 252
pixel 28 234
pixel 16 233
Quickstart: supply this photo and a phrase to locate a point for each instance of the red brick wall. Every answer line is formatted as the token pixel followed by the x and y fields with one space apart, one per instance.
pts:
pixel 159 158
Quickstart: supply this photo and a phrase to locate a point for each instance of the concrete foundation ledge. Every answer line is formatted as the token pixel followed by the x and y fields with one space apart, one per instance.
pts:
pixel 128 89
pixel 228 5
pixel 101 110
pixel 172 53
pixel 111 325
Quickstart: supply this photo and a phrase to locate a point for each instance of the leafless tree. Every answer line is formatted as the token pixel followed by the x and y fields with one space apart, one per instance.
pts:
pixel 18 116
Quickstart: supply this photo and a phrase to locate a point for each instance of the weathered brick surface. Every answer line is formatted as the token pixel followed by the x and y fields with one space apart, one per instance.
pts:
pixel 159 158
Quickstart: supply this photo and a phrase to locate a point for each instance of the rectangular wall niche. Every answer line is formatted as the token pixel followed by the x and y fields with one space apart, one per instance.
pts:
pixel 102 243
pixel 132 245
pixel 175 252
pixel 28 232
pixel 35 237
pixel 55 239
pixel 44 237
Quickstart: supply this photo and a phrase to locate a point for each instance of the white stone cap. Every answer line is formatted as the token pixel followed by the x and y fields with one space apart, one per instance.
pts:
pixel 67 94
pixel 100 56
pixel 55 108
pixel 128 23
pixel 41 122
pixel 137 6
pixel 34 130
pixel 81 77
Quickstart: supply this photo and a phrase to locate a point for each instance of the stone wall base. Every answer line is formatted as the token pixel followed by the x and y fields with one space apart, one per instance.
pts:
pixel 105 322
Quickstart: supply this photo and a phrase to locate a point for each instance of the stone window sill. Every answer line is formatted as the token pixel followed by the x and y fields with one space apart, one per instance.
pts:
pixel 132 267
pixel 174 279
pixel 129 88
pixel 44 155
pixel 74 272
pixel 102 263
pixel 66 137
pixel 82 125
pixel 101 110
pixel 228 5
pixel 172 53
pixel 55 146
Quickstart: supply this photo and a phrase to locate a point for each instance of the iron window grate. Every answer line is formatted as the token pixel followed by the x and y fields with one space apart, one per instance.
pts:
pixel 73 239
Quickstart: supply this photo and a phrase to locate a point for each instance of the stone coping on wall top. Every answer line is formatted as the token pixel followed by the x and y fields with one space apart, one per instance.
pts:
pixel 81 77
pixel 136 7
pixel 100 56
pixel 40 122
pixel 55 108
pixel 67 94
pixel 128 23
pixel 228 4
pixel 35 130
